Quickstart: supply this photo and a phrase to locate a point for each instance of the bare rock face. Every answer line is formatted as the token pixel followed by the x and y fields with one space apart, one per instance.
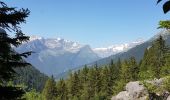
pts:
pixel 134 91
pixel 168 98
pixel 123 96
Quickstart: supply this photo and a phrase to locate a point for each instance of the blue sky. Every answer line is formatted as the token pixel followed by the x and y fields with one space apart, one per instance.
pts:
pixel 99 23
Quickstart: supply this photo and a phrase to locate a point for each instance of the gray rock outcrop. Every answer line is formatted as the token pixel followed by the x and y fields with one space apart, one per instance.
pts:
pixel 134 91
pixel 137 91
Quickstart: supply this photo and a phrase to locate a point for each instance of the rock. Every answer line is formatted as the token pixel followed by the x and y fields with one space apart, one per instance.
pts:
pixel 136 90
pixel 168 98
pixel 157 82
pixel 113 98
pixel 123 96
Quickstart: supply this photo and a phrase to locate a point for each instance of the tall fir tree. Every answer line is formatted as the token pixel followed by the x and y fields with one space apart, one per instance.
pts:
pixel 134 69
pixel 106 82
pixel 97 79
pixel 10 19
pixel 50 90
pixel 74 86
pixel 154 59
pixel 62 90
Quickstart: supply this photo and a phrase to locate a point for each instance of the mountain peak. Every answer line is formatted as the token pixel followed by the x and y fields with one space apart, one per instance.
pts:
pixel 114 49
pixel 56 55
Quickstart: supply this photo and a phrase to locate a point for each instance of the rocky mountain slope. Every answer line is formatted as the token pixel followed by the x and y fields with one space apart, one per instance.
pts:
pixel 54 56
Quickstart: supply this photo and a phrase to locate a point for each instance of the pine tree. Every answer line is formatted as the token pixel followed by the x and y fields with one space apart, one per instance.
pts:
pixel 114 71
pixel 161 49
pixel 90 87
pixel 74 88
pixel 119 83
pixel 144 72
pixel 97 79
pixel 134 69
pixel 62 90
pixel 50 90
pixel 84 73
pixel 106 82
pixel 154 59
pixel 10 19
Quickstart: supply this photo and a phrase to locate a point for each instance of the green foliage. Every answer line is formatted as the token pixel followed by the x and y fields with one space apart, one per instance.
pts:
pixel 154 59
pixel 99 83
pixel 10 20
pixel 30 77
pixel 50 90
pixel 164 24
pixel 150 87
pixel 32 95
pixel 62 90
pixel 166 83
pixel 134 69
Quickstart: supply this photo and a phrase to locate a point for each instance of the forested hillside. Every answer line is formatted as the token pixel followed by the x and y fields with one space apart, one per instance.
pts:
pixel 31 78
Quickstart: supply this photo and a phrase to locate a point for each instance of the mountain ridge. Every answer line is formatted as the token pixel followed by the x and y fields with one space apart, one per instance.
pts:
pixel 137 51
pixel 54 56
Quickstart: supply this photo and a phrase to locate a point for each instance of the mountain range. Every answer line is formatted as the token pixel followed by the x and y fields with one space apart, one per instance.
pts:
pixel 137 51
pixel 114 49
pixel 54 56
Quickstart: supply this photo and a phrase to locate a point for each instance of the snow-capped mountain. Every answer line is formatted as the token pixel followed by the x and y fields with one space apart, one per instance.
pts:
pixel 137 51
pixel 54 56
pixel 114 49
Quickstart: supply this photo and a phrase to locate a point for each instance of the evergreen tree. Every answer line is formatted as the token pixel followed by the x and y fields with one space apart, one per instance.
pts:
pixel 91 83
pixel 160 55
pixel 106 82
pixel 134 69
pixel 154 59
pixel 32 95
pixel 50 90
pixel 74 86
pixel 84 73
pixel 164 24
pixel 114 71
pixel 125 74
pixel 10 19
pixel 97 79
pixel 62 90
pixel 83 80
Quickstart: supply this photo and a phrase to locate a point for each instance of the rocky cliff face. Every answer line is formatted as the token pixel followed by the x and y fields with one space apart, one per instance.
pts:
pixel 139 91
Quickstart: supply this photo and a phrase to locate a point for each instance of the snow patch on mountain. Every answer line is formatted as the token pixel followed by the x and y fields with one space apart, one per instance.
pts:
pixel 114 49
pixel 55 55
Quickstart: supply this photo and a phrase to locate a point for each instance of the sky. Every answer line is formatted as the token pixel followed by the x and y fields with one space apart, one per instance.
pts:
pixel 99 23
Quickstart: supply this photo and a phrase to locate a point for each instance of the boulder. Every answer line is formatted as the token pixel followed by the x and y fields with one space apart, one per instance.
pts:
pixel 134 91
pixel 137 91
